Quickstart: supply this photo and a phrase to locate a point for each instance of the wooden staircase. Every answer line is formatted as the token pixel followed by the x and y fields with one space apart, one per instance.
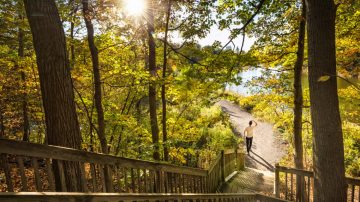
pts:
pixel 28 174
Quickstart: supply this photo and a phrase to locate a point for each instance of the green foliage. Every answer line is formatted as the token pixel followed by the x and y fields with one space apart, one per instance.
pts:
pixel 277 109
pixel 195 76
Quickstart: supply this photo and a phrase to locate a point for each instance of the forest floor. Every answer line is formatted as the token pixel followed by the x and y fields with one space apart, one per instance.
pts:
pixel 267 149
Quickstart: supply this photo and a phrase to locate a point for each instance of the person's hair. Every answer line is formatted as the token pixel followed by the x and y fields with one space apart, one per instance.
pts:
pixel 250 123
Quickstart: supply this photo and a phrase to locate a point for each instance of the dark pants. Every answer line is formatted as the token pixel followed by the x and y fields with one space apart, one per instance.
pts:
pixel 248 143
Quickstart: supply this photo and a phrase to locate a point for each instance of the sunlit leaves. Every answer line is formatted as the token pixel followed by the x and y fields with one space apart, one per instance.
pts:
pixel 323 78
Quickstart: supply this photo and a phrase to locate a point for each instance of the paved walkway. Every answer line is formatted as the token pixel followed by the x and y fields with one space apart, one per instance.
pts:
pixel 267 147
pixel 266 151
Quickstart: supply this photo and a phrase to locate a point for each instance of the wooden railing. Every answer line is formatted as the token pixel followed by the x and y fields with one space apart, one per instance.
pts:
pixel 116 197
pixel 285 184
pixel 224 165
pixel 31 167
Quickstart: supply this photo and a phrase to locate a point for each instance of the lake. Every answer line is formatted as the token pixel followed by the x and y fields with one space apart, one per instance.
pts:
pixel 250 74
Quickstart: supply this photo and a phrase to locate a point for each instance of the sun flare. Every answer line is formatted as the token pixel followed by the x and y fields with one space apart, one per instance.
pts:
pixel 135 7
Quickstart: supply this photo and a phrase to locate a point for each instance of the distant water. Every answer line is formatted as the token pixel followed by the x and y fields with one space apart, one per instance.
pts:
pixel 250 74
pixel 246 76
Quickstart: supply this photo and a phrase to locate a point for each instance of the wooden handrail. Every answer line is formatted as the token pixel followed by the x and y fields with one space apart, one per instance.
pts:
pixel 111 197
pixel 295 171
pixel 307 177
pixel 107 173
pixel 69 154
pixel 215 162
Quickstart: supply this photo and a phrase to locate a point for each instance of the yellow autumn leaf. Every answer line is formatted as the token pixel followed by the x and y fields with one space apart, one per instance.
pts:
pixel 323 78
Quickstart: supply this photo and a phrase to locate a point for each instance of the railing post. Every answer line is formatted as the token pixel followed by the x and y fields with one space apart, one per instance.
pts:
pixel 108 179
pixel 222 166
pixel 239 160
pixel 277 181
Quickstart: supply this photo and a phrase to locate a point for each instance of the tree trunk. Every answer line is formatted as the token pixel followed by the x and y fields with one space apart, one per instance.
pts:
pixel 62 125
pixel 163 89
pixel 2 125
pixel 72 27
pixel 152 85
pixel 328 147
pixel 97 95
pixel 298 103
pixel 23 80
pixel 97 80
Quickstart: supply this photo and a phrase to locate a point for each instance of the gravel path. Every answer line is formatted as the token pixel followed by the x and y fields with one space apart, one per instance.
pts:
pixel 266 147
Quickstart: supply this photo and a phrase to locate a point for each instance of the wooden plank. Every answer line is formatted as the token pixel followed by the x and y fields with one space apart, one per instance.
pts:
pixel 152 180
pixel 296 171
pixel 102 177
pixel 101 197
pixel 138 180
pixel 20 162
pixel 229 151
pixel 108 176
pixel 213 165
pixel 175 185
pixel 167 183
pixel 132 176
pixel 60 167
pixel 5 165
pixel 277 182
pixel 181 183
pixel 198 186
pixel 126 180
pixel 354 181
pixel 93 177
pixel 83 178
pixel 69 154
pixel 352 193
pixel 34 163
pixel 118 178
pixel 286 187
pixel 160 182
pixel 202 185
pixel 308 188
pixel 184 184
pixel 170 179
pixel 50 175
pixel 291 187
pixel 145 181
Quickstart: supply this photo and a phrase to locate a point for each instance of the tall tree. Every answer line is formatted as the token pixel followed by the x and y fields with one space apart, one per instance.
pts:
pixel 74 9
pixel 163 87
pixel 97 79
pixel 56 85
pixel 26 130
pixel 328 147
pixel 152 84
pixel 298 104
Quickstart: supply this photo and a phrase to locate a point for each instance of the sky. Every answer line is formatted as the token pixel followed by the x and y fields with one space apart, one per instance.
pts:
pixel 217 35
pixel 223 37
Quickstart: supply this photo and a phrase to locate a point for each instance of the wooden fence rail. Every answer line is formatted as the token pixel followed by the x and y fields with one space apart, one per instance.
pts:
pixel 117 197
pixel 285 184
pixel 31 167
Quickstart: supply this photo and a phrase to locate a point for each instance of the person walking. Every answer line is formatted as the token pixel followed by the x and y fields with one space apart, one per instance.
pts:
pixel 249 134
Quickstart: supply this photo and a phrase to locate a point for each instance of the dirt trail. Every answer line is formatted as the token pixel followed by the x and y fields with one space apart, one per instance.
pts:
pixel 266 148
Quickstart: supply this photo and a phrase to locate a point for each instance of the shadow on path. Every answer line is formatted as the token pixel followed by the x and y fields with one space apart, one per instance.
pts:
pixel 260 161
pixel 267 163
pixel 250 180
